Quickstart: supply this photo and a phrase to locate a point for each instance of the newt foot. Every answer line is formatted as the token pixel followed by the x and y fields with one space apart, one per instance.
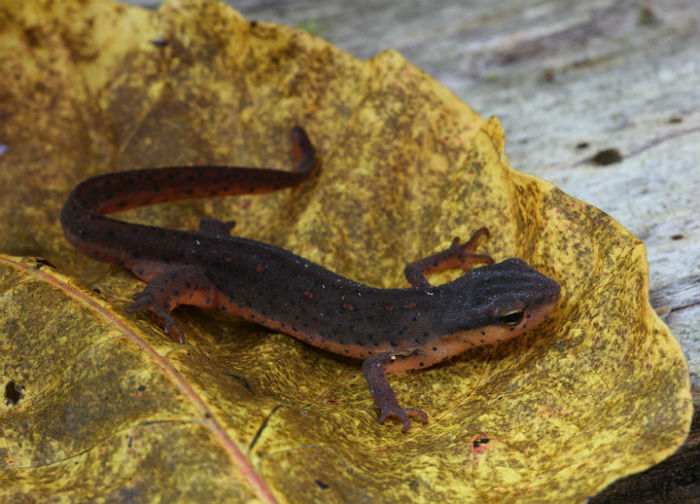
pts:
pixel 145 301
pixel 403 415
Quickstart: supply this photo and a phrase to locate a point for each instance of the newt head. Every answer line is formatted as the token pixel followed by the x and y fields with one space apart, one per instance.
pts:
pixel 498 302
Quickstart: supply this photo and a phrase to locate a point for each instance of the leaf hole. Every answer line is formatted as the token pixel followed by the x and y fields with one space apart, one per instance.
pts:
pixel 13 393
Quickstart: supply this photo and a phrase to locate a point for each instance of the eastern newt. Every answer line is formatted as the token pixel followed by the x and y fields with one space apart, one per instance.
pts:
pixel 389 329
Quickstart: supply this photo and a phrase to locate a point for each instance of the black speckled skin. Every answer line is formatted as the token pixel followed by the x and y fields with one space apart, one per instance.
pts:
pixel 315 301
pixel 400 328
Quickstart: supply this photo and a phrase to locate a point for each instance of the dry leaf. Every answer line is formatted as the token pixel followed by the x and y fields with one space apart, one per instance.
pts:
pixel 101 407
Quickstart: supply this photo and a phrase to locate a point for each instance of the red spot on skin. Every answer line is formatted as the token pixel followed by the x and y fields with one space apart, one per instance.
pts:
pixel 348 306
pixel 389 307
pixel 308 294
pixel 259 268
pixel 411 305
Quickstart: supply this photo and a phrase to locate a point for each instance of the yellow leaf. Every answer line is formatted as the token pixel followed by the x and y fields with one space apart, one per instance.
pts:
pixel 101 406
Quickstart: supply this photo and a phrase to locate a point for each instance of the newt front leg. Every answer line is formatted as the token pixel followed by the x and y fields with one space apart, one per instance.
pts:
pixel 375 369
pixel 455 256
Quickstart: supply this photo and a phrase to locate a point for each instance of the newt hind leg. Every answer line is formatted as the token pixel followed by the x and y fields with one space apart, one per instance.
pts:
pixel 177 285
pixel 455 256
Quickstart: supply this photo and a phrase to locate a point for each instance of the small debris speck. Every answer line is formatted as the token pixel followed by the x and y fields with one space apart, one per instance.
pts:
pixel 321 484
pixel 607 157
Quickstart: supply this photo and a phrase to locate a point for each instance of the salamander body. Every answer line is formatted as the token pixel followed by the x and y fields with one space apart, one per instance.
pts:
pixel 389 329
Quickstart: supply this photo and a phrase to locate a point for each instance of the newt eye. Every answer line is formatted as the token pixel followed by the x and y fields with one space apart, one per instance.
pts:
pixel 511 318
